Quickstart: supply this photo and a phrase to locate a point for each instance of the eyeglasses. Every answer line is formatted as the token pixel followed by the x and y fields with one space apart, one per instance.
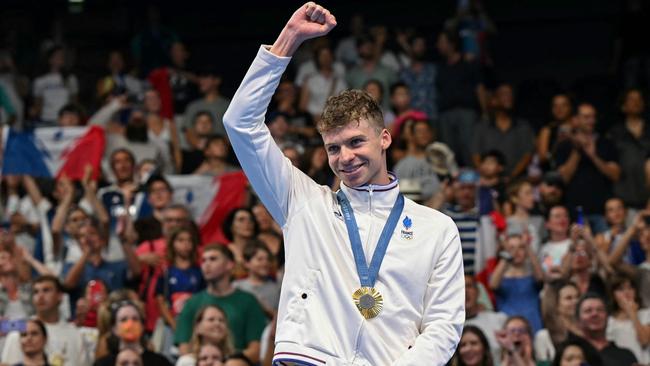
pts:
pixel 517 331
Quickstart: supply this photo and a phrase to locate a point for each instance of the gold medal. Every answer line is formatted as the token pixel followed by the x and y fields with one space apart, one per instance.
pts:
pixel 369 301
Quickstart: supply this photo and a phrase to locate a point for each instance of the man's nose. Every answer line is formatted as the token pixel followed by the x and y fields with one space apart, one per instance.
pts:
pixel 346 154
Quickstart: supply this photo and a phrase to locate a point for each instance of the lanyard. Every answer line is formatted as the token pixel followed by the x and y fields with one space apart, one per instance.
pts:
pixel 368 275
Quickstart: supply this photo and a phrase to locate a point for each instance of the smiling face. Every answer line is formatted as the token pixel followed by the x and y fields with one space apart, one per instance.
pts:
pixel 471 349
pixel 357 153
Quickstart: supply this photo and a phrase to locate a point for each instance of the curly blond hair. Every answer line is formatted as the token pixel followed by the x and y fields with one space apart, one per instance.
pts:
pixel 350 106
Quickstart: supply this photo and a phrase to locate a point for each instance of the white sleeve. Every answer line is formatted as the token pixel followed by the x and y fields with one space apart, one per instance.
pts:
pixel 12 353
pixel 444 308
pixel 272 176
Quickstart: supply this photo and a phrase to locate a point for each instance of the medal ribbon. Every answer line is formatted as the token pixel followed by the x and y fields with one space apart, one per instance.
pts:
pixel 368 275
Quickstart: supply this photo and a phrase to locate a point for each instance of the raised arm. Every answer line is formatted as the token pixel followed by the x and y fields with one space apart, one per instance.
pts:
pixel 267 169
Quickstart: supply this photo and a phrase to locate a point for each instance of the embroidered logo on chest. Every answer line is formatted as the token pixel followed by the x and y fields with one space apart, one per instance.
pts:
pixel 406 231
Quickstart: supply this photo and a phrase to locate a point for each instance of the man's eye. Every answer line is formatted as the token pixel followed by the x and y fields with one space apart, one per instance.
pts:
pixel 356 142
pixel 333 149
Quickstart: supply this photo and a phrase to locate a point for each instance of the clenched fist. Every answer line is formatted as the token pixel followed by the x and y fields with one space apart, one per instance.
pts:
pixel 309 21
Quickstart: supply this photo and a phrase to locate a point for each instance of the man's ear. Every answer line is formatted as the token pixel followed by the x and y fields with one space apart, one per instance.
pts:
pixel 386 139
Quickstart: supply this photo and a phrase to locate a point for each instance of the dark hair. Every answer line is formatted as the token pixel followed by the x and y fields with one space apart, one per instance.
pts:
pixel 116 306
pixel 397 85
pixel 496 155
pixel 158 178
pixel 254 246
pixel 589 296
pixel 627 92
pixel 615 284
pixel 41 326
pixel 549 304
pixel 71 108
pixel 224 250
pixel 51 279
pixel 226 226
pixel 194 236
pixel 95 224
pixel 547 215
pixel 202 113
pixel 363 39
pixel 486 360
pixel 577 342
pixel 529 329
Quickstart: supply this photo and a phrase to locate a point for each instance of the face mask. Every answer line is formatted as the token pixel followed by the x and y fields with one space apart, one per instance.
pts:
pixel 130 331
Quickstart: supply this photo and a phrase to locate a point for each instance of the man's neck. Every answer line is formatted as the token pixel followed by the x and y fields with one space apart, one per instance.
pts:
pixel 212 95
pixel 95 259
pixel 416 151
pixel 220 287
pixel 503 120
pixel 471 312
pixel 182 263
pixel 597 339
pixel 49 316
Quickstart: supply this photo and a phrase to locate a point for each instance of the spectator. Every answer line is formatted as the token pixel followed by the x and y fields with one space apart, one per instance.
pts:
pixel 559 299
pixel 592 321
pixel 300 124
pixel 162 132
pixel 608 241
pixel 210 329
pixel 632 141
pixel 258 259
pixel 179 281
pixel 54 89
pixel 70 115
pixel 522 201
pixel 574 352
pixel 92 265
pixel 32 344
pixel 160 194
pixel 15 288
pixel 489 322
pixel 376 90
pixel 64 344
pixel 175 84
pixel 307 58
pixel 15 86
pixel 559 129
pixel 197 136
pixel 239 227
pixel 517 279
pixel 465 214
pixel 464 96
pixel 318 169
pixel 506 133
pixel 629 325
pixel 420 77
pixel 270 232
pixel 346 51
pixel 583 264
pixel 551 192
pixel 473 349
pixel 553 251
pixel 492 180
pixel 415 167
pixel 400 102
pixel 151 255
pixel 588 166
pixel 246 318
pixel 516 341
pixel 212 102
pixel 324 82
pixel 369 68
pixel 216 155
pixel 127 331
pixel 128 357
pixel 278 125
pixel 118 82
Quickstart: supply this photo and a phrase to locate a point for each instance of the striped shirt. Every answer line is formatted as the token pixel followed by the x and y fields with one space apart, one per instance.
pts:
pixel 467 223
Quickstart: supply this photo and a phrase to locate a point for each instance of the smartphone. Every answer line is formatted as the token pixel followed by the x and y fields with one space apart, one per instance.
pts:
pixel 580 218
pixel 7 325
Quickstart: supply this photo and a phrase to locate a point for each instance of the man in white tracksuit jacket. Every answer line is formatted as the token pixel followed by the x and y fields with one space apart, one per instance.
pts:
pixel 421 276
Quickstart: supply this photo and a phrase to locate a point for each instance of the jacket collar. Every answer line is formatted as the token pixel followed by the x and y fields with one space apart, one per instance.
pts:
pixel 372 196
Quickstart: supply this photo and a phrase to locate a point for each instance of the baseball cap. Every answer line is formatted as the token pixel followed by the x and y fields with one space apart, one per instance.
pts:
pixel 467 176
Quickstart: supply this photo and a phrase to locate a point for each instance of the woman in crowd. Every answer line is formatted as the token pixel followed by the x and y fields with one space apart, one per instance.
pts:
pixel 210 329
pixel 516 342
pixel 555 131
pixel 583 264
pixel 128 357
pixel 559 301
pixel 573 353
pixel 32 343
pixel 615 215
pixel 521 201
pixel 517 279
pixel 473 349
pixel 322 84
pixel 127 331
pixel 629 325
pixel 239 228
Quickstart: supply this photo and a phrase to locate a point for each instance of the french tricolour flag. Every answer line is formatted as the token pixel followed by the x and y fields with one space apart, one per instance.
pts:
pixel 210 199
pixel 52 151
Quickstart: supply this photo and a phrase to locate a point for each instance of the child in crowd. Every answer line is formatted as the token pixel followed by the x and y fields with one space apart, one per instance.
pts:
pixel 258 259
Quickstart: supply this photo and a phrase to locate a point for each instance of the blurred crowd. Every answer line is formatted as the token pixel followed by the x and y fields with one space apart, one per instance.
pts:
pixel 114 269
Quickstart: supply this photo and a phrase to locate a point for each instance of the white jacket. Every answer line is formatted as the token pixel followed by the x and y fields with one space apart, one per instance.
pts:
pixel 421 279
